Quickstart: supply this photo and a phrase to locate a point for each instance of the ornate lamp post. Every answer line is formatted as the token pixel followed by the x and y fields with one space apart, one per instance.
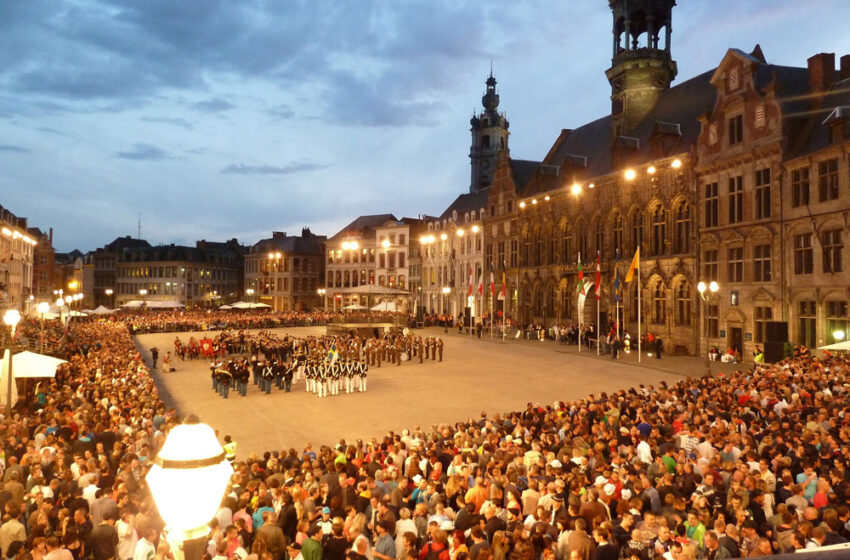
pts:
pixel 109 293
pixel 706 292
pixel 322 293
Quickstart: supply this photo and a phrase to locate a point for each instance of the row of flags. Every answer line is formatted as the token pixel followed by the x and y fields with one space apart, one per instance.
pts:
pixel 633 268
pixel 502 292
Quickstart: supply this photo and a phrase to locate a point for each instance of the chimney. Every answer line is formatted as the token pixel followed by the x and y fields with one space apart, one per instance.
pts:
pixel 821 75
pixel 278 234
pixel 51 237
pixel 845 67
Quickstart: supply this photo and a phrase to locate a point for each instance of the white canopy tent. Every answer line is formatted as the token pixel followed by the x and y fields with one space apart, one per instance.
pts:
pixel 225 307
pixel 102 310
pixel 133 304
pixel 354 307
pixel 164 304
pixel 249 305
pixel 385 306
pixel 30 364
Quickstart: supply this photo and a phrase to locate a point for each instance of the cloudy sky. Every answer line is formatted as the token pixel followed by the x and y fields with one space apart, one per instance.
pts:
pixel 219 118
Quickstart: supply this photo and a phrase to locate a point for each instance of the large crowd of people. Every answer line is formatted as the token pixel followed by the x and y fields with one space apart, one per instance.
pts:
pixel 182 320
pixel 747 464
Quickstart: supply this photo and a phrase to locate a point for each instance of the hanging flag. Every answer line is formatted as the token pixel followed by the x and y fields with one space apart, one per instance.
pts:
pixel 469 287
pixel 580 275
pixel 598 286
pixel 481 283
pixel 617 277
pixel 635 266
pixel 504 290
pixel 492 283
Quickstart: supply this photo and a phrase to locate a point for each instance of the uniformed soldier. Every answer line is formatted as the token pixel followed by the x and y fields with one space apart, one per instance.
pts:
pixel 267 377
pixel 243 376
pixel 288 375
pixel 322 378
pixel 362 370
pixel 440 348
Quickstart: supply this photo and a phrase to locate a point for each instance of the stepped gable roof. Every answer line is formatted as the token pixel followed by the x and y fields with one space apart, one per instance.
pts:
pixel 362 225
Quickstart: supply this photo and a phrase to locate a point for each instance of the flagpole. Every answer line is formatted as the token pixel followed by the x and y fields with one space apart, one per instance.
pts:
pixel 598 327
pixel 640 311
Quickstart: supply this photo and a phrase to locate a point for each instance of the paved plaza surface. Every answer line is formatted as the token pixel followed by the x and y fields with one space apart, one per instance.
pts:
pixel 475 376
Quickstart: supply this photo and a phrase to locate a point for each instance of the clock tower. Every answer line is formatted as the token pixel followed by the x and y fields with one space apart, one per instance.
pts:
pixel 489 137
pixel 641 68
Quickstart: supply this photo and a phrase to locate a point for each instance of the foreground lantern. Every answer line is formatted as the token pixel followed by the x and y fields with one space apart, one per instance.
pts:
pixel 189 478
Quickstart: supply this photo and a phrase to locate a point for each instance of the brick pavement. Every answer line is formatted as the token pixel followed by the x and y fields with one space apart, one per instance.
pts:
pixel 475 376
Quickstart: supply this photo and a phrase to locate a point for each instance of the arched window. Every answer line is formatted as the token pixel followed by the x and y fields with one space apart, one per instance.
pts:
pixel 682 230
pixel 659 303
pixel 659 230
pixel 636 227
pixel 683 304
pixel 617 232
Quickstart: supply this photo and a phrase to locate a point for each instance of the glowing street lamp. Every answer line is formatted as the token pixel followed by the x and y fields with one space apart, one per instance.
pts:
pixel 706 292
pixel 188 479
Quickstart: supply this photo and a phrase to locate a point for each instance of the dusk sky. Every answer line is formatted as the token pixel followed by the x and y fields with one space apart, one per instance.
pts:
pixel 232 118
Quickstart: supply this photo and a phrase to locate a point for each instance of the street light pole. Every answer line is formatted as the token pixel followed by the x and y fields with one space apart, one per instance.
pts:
pixel 322 293
pixel 706 292
pixel 11 318
pixel 42 308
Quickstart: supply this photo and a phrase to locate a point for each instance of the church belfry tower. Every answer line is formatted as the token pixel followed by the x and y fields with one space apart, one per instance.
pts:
pixel 640 68
pixel 489 137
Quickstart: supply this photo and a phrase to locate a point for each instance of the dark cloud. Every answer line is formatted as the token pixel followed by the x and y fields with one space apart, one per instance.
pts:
pixel 144 152
pixel 289 169
pixel 182 123
pixel 214 105
pixel 407 55
pixel 14 149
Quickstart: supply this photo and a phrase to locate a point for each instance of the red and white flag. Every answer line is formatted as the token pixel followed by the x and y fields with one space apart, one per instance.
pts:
pixel 492 284
pixel 504 289
pixel 481 283
pixel 469 290
pixel 598 276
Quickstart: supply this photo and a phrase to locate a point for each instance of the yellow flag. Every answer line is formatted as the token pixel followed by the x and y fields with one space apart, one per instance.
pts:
pixel 635 266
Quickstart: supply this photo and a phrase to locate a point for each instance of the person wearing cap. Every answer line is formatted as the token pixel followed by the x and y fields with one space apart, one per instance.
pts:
pixel 325 521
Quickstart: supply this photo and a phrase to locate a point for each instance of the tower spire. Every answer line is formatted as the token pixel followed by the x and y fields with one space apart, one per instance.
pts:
pixel 489 137
pixel 641 68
